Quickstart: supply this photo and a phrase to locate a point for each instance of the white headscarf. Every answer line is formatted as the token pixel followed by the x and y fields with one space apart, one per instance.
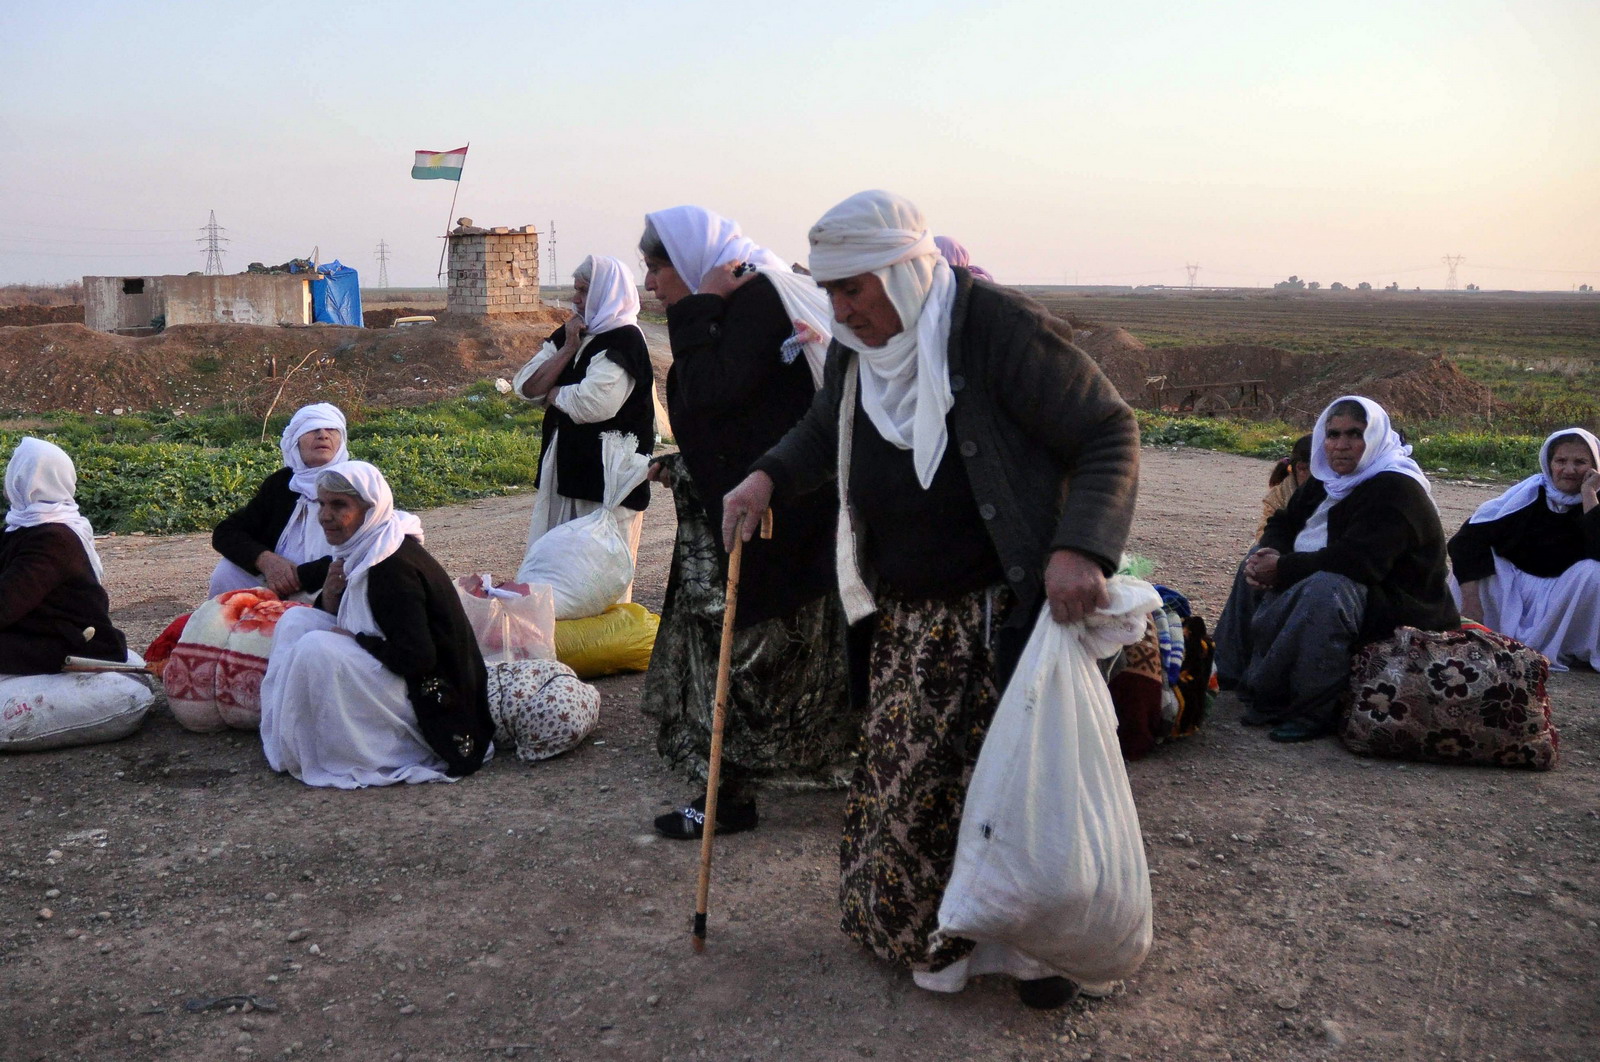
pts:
pixel 302 539
pixel 613 299
pixel 1384 453
pixel 698 241
pixel 905 384
pixel 1525 493
pixel 41 486
pixel 380 534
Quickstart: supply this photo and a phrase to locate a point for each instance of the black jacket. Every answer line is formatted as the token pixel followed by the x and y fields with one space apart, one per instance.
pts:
pixel 1534 538
pixel 579 473
pixel 731 397
pixel 428 642
pixel 48 595
pixel 1386 535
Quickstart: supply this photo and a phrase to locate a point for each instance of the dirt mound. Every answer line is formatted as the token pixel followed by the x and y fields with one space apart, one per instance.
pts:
pixel 243 367
pixel 13 316
pixel 385 317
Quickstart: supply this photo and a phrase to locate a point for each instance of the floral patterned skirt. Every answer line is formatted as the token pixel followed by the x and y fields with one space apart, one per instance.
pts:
pixel 933 694
pixel 790 723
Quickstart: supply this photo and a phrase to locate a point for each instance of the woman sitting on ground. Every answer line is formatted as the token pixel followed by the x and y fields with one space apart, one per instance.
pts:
pixel 266 542
pixel 1358 552
pixel 382 682
pixel 592 376
pixel 1288 476
pixel 1528 562
pixel 52 604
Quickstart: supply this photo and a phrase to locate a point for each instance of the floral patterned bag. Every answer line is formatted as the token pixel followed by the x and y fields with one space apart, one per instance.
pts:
pixel 1463 696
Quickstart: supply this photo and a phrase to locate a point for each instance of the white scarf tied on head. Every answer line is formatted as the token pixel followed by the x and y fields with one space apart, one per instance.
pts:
pixel 302 539
pixel 698 241
pixel 381 532
pixel 1385 452
pixel 613 299
pixel 1526 493
pixel 42 487
pixel 905 384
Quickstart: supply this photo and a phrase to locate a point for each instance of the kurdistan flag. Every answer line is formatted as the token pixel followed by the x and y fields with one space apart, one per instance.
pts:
pixel 439 165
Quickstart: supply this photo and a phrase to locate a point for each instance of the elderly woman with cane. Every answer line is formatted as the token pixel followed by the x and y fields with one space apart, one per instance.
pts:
pixel 985 469
pixel 748 337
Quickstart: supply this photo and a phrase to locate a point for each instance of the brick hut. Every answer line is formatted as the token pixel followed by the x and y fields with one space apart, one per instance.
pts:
pixel 493 271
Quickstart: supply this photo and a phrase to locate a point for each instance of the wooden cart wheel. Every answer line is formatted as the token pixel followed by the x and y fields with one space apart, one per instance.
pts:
pixel 1211 406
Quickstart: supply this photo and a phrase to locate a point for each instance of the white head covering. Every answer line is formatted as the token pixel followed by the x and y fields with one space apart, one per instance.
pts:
pixel 1384 453
pixel 698 241
pixel 613 299
pixel 379 535
pixel 41 485
pixel 302 539
pixel 905 384
pixel 1525 493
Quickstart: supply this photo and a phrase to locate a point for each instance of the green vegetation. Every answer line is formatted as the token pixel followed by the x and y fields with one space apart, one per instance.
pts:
pixel 165 474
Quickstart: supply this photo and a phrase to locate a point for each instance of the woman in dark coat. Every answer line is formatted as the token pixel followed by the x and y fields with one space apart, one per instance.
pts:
pixel 51 602
pixel 746 354
pixel 382 682
pixel 1358 552
pixel 265 542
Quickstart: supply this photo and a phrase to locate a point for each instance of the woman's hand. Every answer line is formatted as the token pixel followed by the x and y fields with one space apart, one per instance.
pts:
pixel 721 281
pixel 749 500
pixel 1261 569
pixel 575 333
pixel 333 586
pixel 1074 585
pixel 1590 489
pixel 658 474
pixel 1471 602
pixel 282 577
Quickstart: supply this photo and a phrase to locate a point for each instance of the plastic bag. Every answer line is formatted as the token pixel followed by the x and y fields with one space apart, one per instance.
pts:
pixel 512 621
pixel 54 711
pixel 587 562
pixel 1050 859
pixel 619 639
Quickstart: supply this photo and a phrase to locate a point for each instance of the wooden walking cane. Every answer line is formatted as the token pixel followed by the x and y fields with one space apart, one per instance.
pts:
pixel 719 714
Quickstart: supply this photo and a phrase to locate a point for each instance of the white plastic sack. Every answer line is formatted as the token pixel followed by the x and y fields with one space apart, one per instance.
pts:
pixel 587 562
pixel 73 708
pixel 509 624
pixel 1050 860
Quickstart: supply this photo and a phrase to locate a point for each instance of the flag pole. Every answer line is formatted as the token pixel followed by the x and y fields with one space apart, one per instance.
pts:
pixel 452 215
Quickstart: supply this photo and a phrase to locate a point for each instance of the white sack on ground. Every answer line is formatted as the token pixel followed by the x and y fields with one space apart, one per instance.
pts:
pixel 587 561
pixel 80 708
pixel 1050 859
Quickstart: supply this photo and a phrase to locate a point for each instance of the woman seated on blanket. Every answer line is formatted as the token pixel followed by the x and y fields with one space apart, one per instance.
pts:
pixel 1358 552
pixel 1528 562
pixel 593 376
pixel 1288 476
pixel 266 542
pixel 382 682
pixel 52 604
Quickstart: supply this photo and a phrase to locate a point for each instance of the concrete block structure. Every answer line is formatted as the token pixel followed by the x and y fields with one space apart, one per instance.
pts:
pixel 493 271
pixel 138 304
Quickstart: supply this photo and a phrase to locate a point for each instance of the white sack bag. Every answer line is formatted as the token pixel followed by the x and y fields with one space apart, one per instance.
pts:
pixel 73 708
pixel 1050 859
pixel 587 561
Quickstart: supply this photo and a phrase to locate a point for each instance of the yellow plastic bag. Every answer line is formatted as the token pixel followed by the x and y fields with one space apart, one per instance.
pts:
pixel 619 639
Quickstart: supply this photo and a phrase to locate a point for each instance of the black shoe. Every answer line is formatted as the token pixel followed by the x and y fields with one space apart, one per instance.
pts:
pixel 1047 993
pixel 1299 730
pixel 688 823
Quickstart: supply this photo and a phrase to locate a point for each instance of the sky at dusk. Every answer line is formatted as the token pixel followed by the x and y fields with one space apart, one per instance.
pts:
pixel 1063 143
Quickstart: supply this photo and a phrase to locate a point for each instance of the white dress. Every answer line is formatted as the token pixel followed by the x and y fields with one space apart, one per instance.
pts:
pixel 1559 615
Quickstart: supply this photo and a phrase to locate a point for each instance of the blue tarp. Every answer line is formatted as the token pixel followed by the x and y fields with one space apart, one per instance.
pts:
pixel 336 295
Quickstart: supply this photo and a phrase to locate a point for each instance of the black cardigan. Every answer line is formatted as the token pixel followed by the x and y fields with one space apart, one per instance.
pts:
pixel 48 595
pixel 579 473
pixel 1384 534
pixel 428 642
pixel 731 397
pixel 1534 538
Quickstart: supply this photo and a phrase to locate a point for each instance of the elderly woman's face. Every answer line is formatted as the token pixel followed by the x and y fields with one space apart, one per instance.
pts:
pixel 318 446
pixel 663 281
pixel 861 303
pixel 340 515
pixel 580 294
pixel 1344 443
pixel 1569 463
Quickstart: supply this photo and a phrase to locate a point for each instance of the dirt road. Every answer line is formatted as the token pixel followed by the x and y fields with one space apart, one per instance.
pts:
pixel 1308 904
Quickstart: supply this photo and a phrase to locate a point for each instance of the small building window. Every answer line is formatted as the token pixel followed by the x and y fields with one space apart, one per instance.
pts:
pixel 133 286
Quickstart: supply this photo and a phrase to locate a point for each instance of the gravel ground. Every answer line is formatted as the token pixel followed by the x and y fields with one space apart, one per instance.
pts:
pixel 1308 904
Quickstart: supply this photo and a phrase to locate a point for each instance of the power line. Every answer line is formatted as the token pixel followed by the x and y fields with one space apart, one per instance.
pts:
pixel 213 239
pixel 383 264
pixel 1452 260
pixel 1194 271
